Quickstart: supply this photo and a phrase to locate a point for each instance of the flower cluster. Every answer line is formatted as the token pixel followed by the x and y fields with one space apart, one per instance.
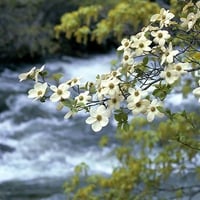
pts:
pixel 149 64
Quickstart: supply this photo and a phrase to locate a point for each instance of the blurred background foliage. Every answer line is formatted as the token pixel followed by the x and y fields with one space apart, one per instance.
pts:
pixel 95 23
pixel 157 161
pixel 29 28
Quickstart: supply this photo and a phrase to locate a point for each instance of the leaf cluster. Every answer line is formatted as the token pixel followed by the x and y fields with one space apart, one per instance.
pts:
pixel 97 24
pixel 152 162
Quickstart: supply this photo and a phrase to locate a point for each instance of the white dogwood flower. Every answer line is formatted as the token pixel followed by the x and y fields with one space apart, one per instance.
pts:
pixel 168 54
pixel 114 74
pixel 164 17
pixel 181 68
pixel 125 44
pixel 83 98
pixel 60 92
pixel 33 74
pixel 198 4
pixel 114 102
pixel 110 87
pixel 38 91
pixel 189 21
pixel 136 94
pixel 152 110
pixel 170 75
pixel 73 82
pixel 29 74
pixel 160 36
pixel 127 57
pixel 141 45
pixel 37 72
pixel 99 118
pixel 138 107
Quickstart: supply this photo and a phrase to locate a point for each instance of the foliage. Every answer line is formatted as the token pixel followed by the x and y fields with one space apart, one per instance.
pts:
pixel 96 23
pixel 149 159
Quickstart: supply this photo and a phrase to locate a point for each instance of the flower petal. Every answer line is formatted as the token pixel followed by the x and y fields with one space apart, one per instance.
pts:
pixel 96 127
pixel 90 120
pixel 54 97
pixel 104 121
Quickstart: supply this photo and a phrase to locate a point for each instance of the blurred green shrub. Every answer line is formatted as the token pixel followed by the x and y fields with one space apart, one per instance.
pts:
pixel 157 162
pixel 98 23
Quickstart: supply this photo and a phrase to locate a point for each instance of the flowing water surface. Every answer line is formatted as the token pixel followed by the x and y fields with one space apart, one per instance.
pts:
pixel 38 148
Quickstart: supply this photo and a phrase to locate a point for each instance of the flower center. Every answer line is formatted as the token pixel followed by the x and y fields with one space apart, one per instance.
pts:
pixel 141 45
pixel 163 17
pixel 178 68
pixel 160 35
pixel 166 53
pixel 59 92
pixel 91 84
pixel 126 44
pixel 114 73
pixel 111 86
pixel 138 104
pixel 39 93
pixel 75 80
pixel 126 57
pixel 153 109
pixel 114 100
pixel 168 74
pixel 99 117
pixel 136 93
pixel 81 98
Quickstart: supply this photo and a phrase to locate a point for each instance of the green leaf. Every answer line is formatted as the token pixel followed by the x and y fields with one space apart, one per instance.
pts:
pixel 161 91
pixel 145 60
pixel 57 76
pixel 43 73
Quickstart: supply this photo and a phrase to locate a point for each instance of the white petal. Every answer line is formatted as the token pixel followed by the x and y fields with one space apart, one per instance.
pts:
pixel 196 91
pixel 68 115
pixel 54 97
pixel 22 77
pixel 90 120
pixel 66 95
pixel 41 86
pixel 32 93
pixel 170 58
pixel 104 121
pixel 93 112
pixel 42 68
pixel 101 109
pixel 96 127
pixel 154 17
pixel 150 117
pixel 159 114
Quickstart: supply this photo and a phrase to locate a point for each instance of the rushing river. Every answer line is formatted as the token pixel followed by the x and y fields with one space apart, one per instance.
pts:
pixel 38 148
